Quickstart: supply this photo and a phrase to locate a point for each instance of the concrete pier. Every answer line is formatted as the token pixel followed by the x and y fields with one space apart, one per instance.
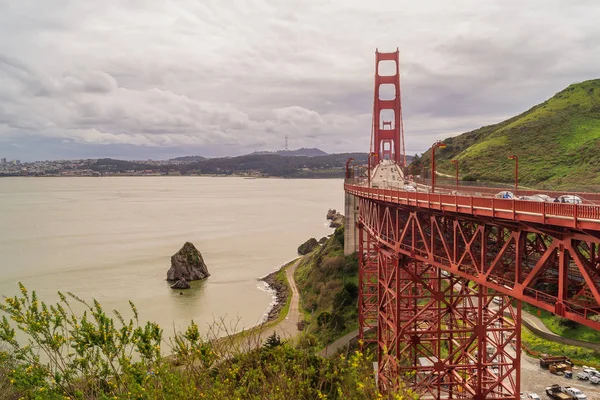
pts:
pixel 350 225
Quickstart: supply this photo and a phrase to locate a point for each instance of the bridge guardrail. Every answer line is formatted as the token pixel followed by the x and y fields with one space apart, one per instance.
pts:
pixel 582 216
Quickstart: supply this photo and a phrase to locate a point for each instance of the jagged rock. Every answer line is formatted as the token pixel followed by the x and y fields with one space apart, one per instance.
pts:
pixel 322 240
pixel 181 284
pixel 336 223
pixel 307 246
pixel 331 213
pixel 188 264
pixel 336 218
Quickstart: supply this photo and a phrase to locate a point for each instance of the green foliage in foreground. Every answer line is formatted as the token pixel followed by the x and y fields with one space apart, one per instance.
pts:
pixel 557 142
pixel 93 356
pixel 328 284
pixel 579 355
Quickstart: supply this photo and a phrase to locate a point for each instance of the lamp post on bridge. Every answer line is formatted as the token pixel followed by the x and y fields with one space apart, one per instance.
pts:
pixel 371 154
pixel 455 162
pixel 441 145
pixel 348 162
pixel 514 157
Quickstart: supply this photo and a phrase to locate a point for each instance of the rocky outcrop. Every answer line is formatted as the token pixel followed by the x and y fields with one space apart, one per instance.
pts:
pixel 281 293
pixel 187 264
pixel 336 218
pixel 307 246
pixel 181 284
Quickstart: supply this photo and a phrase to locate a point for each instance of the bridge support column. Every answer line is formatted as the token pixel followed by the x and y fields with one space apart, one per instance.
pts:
pixel 444 336
pixel 368 261
pixel 350 224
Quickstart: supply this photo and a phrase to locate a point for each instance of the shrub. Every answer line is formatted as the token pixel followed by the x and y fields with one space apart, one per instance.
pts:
pixel 330 264
pixel 323 318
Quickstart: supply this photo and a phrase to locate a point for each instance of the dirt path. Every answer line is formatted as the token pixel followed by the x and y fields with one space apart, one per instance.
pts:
pixel 340 343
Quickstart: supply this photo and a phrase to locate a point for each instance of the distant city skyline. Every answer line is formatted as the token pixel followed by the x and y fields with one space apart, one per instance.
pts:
pixel 154 79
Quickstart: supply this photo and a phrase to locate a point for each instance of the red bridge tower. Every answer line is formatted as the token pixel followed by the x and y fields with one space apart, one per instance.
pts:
pixel 387 136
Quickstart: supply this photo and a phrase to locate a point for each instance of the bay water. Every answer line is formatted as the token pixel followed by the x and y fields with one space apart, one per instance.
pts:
pixel 111 239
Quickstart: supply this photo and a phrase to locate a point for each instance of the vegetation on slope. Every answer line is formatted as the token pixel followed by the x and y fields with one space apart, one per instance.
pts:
pixel 328 284
pixel 536 345
pixel 557 142
pixel 563 326
pixel 94 356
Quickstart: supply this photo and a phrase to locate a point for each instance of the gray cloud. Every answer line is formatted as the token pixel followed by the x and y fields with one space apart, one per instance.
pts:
pixel 210 77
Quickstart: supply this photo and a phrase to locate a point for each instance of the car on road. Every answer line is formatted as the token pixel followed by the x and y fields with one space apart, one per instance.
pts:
pixel 505 194
pixel 595 379
pixel 540 198
pixel 569 198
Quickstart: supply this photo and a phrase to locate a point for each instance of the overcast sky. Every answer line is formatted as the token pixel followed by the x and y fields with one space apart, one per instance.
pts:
pixel 147 78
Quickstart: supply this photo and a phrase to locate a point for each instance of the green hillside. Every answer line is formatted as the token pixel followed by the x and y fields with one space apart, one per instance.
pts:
pixel 557 142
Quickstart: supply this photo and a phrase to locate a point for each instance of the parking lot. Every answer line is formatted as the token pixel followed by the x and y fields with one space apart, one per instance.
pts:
pixel 535 379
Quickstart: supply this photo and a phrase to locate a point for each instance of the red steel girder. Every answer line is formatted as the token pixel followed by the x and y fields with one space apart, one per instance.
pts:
pixel 444 336
pixel 556 272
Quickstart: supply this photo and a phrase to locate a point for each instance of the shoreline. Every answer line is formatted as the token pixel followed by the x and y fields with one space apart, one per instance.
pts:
pixel 280 293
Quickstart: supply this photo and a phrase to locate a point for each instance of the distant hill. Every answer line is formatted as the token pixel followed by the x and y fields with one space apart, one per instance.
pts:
pixel 188 159
pixel 312 152
pixel 325 166
pixel 557 143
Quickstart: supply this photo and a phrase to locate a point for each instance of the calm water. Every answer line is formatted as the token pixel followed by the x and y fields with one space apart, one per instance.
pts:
pixel 112 239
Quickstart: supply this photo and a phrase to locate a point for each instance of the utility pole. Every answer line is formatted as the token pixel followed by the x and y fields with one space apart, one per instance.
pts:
pixel 286 142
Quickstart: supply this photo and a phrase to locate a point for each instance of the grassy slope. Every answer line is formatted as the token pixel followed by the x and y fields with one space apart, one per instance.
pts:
pixel 579 355
pixel 557 325
pixel 557 143
pixel 328 281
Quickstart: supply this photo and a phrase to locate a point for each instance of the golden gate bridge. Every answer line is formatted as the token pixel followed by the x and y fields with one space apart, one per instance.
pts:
pixel 443 272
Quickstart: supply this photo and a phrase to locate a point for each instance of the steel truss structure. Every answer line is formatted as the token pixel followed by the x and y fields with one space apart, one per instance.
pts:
pixel 434 294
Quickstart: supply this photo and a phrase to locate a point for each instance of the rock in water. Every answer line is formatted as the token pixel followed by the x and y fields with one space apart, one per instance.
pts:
pixel 187 264
pixel 181 284
pixel 307 246
pixel 336 218
pixel 331 213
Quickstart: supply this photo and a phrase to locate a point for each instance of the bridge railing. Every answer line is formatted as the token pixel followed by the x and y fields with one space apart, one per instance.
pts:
pixel 493 188
pixel 563 214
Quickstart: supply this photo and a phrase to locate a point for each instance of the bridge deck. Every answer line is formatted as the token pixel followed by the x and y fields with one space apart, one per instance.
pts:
pixel 577 216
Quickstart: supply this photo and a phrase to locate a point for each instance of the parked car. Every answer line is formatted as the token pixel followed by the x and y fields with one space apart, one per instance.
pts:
pixel 575 392
pixel 569 374
pixel 595 379
pixel 533 396
pixel 584 376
